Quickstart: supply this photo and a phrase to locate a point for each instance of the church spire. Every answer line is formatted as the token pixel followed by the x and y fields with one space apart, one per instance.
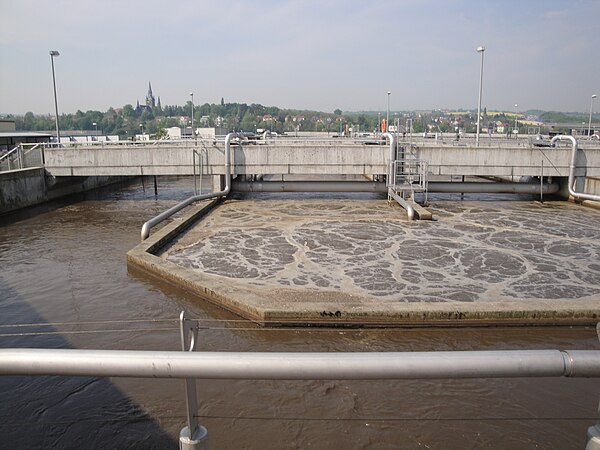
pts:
pixel 150 100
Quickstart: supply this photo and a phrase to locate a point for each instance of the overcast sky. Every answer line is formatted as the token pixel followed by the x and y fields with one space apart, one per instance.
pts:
pixel 305 54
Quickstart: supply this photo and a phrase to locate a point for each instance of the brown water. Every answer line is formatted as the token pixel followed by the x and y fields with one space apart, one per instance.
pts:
pixel 63 266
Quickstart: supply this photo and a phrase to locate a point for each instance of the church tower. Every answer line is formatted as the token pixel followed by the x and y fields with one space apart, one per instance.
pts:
pixel 150 100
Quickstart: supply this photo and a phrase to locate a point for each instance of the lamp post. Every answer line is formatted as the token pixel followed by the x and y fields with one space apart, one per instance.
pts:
pixel 142 127
pixel 387 117
pixel 516 123
pixel 192 95
pixel 590 122
pixel 95 126
pixel 54 53
pixel 480 49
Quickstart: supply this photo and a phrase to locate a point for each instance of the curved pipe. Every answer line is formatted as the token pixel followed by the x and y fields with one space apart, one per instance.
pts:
pixel 178 207
pixel 572 166
pixel 391 155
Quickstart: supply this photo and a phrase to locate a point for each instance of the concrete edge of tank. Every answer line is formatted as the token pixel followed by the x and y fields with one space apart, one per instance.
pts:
pixel 366 311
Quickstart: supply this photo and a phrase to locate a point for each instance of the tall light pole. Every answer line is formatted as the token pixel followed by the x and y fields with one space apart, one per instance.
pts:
pixel 95 126
pixel 480 49
pixel 516 113
pixel 192 95
pixel 54 53
pixel 142 127
pixel 387 117
pixel 590 122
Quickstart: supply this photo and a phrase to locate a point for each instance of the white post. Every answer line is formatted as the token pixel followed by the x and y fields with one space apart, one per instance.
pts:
pixel 590 122
pixel 193 436
pixel 54 53
pixel 480 49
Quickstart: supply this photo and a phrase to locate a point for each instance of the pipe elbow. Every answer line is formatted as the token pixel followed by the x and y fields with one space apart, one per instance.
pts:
pixel 145 231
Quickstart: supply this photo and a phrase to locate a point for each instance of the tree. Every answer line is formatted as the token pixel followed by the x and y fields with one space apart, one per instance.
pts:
pixel 222 102
pixel 128 111
pixel 338 112
pixel 248 122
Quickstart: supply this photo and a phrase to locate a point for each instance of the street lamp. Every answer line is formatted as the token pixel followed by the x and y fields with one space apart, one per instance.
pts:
pixel 54 53
pixel 142 127
pixel 590 122
pixel 516 114
pixel 480 49
pixel 192 95
pixel 95 126
pixel 387 117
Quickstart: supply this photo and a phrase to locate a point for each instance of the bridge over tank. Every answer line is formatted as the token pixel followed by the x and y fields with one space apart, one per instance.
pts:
pixel 314 157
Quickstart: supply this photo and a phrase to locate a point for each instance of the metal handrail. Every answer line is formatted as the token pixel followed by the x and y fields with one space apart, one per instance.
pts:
pixel 301 366
pixel 191 365
pixel 20 153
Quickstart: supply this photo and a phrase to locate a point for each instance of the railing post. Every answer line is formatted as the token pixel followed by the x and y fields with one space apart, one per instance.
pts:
pixel 593 435
pixel 20 156
pixel 194 167
pixel 593 432
pixel 193 436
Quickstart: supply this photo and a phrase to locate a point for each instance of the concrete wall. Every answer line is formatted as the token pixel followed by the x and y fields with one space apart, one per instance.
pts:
pixel 279 156
pixel 28 187
pixel 20 188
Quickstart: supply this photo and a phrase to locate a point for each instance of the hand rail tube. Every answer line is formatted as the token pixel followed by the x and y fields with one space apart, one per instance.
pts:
pixel 301 366
pixel 572 166
pixel 194 198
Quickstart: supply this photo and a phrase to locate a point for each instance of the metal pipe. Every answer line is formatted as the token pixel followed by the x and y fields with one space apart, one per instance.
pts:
pixel 392 156
pixel 372 186
pixel 301 366
pixel 410 211
pixel 178 207
pixel 572 167
pixel 308 186
pixel 54 53
pixel 480 49
pixel 473 187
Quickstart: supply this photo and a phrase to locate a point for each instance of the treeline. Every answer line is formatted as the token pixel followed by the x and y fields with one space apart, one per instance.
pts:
pixel 130 120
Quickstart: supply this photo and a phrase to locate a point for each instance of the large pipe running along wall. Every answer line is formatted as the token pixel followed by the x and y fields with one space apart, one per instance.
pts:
pixel 572 167
pixel 370 186
pixel 169 212
pixel 301 366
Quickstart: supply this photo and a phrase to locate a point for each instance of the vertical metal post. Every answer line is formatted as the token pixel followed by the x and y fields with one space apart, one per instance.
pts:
pixel 480 49
pixel 542 183
pixel 194 166
pixel 54 53
pixel 593 435
pixel 593 432
pixel 201 170
pixel 155 187
pixel 20 152
pixel 193 436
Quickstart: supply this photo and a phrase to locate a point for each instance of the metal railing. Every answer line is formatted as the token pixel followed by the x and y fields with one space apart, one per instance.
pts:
pixel 409 174
pixel 190 365
pixel 23 156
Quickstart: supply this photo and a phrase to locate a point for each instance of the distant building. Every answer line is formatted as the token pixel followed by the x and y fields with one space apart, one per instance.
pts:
pixel 151 101
pixel 10 138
